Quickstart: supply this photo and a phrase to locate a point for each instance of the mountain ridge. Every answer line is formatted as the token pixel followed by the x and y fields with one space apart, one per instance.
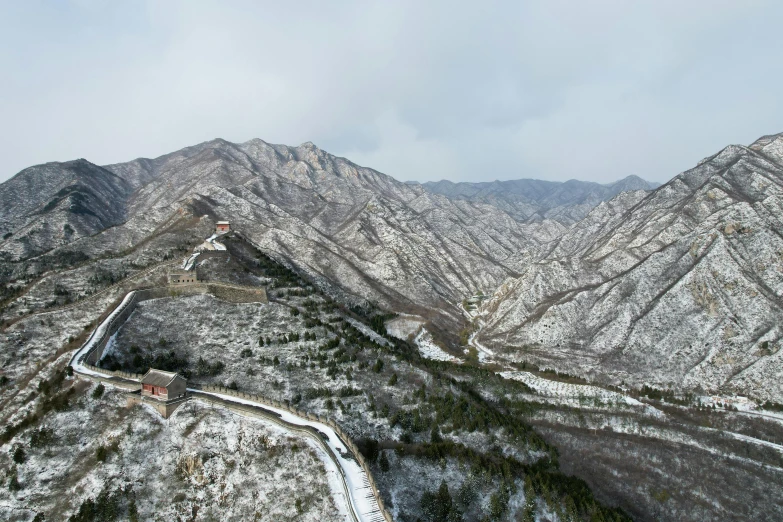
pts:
pixel 600 266
pixel 706 244
pixel 531 200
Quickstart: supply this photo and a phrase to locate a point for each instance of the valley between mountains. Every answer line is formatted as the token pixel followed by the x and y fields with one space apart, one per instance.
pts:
pixel 520 350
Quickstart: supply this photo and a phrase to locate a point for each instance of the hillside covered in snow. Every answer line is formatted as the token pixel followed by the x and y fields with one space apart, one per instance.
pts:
pixel 508 351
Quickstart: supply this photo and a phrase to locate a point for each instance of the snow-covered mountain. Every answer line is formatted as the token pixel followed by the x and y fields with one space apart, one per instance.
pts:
pixel 681 287
pixel 56 203
pixel 353 227
pixel 677 286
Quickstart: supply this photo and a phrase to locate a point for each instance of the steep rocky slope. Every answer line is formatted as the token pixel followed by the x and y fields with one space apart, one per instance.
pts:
pixel 679 286
pixel 682 289
pixel 53 204
pixel 350 227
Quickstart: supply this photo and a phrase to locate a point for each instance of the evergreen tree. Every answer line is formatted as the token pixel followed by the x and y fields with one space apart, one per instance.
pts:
pixel 438 505
pixel 384 462
pixel 19 455
pixel 529 513
pixel 498 502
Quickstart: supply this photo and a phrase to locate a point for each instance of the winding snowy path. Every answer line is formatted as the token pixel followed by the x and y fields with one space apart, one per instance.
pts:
pixel 364 505
pixel 356 484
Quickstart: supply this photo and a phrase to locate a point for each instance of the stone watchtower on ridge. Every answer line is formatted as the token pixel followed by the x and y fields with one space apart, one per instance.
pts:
pixel 221 227
pixel 162 390
pixel 163 385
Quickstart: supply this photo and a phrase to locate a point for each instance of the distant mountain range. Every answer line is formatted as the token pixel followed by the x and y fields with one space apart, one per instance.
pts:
pixel 679 285
pixel 532 200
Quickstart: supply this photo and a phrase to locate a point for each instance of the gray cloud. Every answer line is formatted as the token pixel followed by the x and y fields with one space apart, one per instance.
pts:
pixel 419 90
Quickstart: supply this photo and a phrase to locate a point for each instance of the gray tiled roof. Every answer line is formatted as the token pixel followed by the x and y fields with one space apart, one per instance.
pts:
pixel 158 377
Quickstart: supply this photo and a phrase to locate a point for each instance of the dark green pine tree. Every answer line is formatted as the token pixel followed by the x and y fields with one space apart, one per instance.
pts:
pixel 383 462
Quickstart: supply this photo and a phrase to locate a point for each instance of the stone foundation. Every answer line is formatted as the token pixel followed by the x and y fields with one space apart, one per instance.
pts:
pixel 165 408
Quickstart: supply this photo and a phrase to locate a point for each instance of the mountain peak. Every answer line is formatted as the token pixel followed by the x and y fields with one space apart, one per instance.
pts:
pixel 632 182
pixel 771 146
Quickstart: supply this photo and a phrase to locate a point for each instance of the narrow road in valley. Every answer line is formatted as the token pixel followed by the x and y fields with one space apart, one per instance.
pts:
pixel 475 319
pixel 576 391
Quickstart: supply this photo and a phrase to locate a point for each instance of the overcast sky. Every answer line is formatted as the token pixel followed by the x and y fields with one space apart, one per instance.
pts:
pixel 420 90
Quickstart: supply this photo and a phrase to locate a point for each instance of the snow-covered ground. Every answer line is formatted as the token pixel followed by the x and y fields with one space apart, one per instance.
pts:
pixel 404 325
pixel 201 460
pixel 550 388
pixel 484 353
pixel 430 350
pixel 363 502
pixel 741 403
pixel 475 314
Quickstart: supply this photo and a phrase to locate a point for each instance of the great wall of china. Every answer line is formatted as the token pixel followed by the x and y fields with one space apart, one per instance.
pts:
pixel 360 489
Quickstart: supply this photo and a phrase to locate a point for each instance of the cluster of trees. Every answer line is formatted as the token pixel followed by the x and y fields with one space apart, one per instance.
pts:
pixel 108 506
pixel 102 452
pixel 41 437
pixel 466 411
pixel 269 361
pixel 56 260
pixel 464 335
pixel 772 406
pixel 374 316
pixel 55 398
pixel 13 480
pixel 311 305
pixel 331 344
pixel 567 496
pixel 8 293
pixel 312 322
pixel 139 360
pixel 102 278
pixel 283 276
pixel 438 506
pixel 97 392
pixel 206 368
pixel 285 338
pixel 665 396
pixel 62 295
